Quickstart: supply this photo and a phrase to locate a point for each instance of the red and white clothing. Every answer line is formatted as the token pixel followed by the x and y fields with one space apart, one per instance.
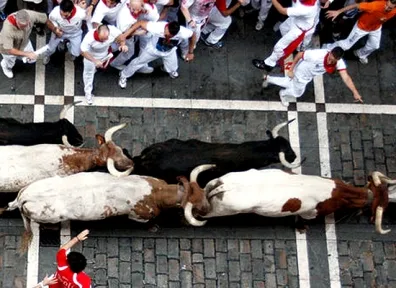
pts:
pixel 66 277
pixel 217 25
pixel 71 28
pixel 200 11
pixel 150 14
pixel 99 50
pixel 299 25
pixel 109 14
pixel 313 63
pixel 158 47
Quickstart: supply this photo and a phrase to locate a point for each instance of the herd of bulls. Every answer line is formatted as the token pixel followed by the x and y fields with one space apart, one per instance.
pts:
pixel 57 181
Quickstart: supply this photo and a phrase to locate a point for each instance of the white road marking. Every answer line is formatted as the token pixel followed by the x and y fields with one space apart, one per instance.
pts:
pixel 33 256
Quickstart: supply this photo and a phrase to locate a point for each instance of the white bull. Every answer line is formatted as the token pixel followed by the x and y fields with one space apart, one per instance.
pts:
pixel 22 165
pixel 276 193
pixel 95 196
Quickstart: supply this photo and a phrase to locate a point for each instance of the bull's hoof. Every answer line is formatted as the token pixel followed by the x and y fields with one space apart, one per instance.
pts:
pixel 153 228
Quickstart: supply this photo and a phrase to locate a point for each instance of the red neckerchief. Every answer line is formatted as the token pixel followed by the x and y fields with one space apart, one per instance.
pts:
pixel 96 36
pixel 329 68
pixel 147 2
pixel 12 20
pixel 306 2
pixel 73 12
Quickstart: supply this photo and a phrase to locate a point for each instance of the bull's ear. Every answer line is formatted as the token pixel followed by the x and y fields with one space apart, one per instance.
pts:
pixel 100 139
pixel 269 134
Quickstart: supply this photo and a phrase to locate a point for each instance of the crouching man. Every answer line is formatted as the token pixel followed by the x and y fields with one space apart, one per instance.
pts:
pixel 96 50
pixel 166 37
pixel 306 65
pixel 14 39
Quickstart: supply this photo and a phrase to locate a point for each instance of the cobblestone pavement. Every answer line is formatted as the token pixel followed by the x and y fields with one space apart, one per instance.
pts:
pixel 241 251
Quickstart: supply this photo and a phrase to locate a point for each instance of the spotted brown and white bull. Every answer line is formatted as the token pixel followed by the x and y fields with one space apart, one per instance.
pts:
pixel 22 165
pixel 276 193
pixel 13 132
pixel 91 196
pixel 169 159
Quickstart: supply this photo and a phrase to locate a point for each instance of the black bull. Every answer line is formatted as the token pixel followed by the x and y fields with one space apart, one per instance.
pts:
pixel 173 158
pixel 13 132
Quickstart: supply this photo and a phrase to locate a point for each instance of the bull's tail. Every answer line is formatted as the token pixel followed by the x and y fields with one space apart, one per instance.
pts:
pixel 27 236
pixel 11 206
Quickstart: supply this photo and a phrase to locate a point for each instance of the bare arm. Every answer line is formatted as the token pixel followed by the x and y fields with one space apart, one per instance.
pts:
pixel 334 14
pixel 187 16
pixel 282 10
pixel 140 24
pixel 191 44
pixel 46 281
pixel 349 83
pixel 80 237
pixel 298 57
pixel 232 9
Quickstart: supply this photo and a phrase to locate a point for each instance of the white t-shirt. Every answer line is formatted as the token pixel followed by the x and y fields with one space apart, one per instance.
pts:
pixel 199 9
pixel 160 5
pixel 70 26
pixel 106 13
pixel 157 29
pixel 303 15
pixel 99 49
pixel 124 18
pixel 313 64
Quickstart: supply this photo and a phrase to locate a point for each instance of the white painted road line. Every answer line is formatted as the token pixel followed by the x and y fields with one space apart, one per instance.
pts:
pixel 33 256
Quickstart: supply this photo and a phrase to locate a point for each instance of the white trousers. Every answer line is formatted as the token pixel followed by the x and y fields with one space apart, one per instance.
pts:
pixel 217 26
pixel 292 87
pixel 372 44
pixel 290 32
pixel 123 57
pixel 264 6
pixel 3 3
pixel 88 76
pixel 75 43
pixel 9 60
pixel 148 55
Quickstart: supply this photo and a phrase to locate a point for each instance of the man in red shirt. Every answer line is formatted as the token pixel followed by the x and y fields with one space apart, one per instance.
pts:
pixel 70 268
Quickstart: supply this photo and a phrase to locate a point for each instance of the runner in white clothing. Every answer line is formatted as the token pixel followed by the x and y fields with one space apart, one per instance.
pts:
pixel 106 10
pixel 297 29
pixel 66 20
pixel 96 50
pixel 306 65
pixel 166 37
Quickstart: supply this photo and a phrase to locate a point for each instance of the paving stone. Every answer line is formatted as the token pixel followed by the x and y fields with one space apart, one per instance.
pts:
pixel 185 260
pixel 125 253
pixel 174 285
pixel 235 285
pixel 197 258
pixel 10 242
pixel 9 258
pixel 269 247
pixel 210 283
pixel 346 152
pixel 292 266
pixel 280 258
pixel 149 243
pixel 137 280
pixel 149 255
pixel 257 269
pixel 368 263
pixel 100 261
pixel 209 248
pixel 185 244
pixel 137 244
pixel 162 264
pixel 162 281
pixel 390 250
pixel 270 280
pixel 222 280
pixel 347 170
pixel 88 252
pixel 368 151
pixel 198 273
pixel 244 246
pixel 186 279
pixel 137 262
pixel 112 267
pixel 125 272
pixel 113 283
pixel 101 245
pixel 280 244
pixel 174 270
pixel 378 250
pixel 173 248
pixel 281 277
pixel 234 271
pixel 257 249
pixel 378 139
pixel 149 273
pixel 269 263
pixel 246 262
pixel 233 249
pixel 259 284
pixel 356 140
pixel 197 246
pixel 112 247
pixel 100 276
pixel 221 245
pixel 246 279
pixel 210 268
pixel 390 266
pixel 161 247
pixel 291 247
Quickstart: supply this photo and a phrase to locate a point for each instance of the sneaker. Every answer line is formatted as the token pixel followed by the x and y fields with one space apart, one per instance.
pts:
pixel 217 45
pixel 3 16
pixel 122 82
pixel 173 74
pixel 284 100
pixel 259 25
pixel 362 60
pixel 276 26
pixel 260 64
pixel 46 60
pixel 89 98
pixel 119 67
pixel 265 81
pixel 7 72
pixel 145 70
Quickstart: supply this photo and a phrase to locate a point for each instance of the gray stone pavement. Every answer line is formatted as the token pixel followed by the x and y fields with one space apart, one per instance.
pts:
pixel 242 251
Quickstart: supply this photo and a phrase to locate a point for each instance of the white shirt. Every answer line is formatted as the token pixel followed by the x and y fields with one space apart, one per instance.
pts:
pixel 157 29
pixel 303 15
pixel 98 49
pixel 71 26
pixel 160 5
pixel 106 13
pixel 124 18
pixel 312 64
pixel 199 9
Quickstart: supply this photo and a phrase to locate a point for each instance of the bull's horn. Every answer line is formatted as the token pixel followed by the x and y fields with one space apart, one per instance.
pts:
pixel 109 133
pixel 276 129
pixel 287 164
pixel 194 173
pixel 190 218
pixel 378 221
pixel 67 144
pixel 113 171
pixel 62 114
pixel 378 177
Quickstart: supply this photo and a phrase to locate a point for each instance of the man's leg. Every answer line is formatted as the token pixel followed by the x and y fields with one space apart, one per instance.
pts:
pixel 263 14
pixel 75 43
pixel 170 64
pixel 88 78
pixel 295 89
pixel 353 37
pixel 218 25
pixel 50 48
pixel 119 61
pixel 372 44
pixel 7 63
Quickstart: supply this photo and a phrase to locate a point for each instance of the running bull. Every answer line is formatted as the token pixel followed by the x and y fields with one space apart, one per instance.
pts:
pixel 276 193
pixel 13 132
pixel 95 196
pixel 22 165
pixel 172 158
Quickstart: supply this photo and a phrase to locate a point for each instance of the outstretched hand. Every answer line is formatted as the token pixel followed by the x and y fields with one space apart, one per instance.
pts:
pixel 332 15
pixel 83 235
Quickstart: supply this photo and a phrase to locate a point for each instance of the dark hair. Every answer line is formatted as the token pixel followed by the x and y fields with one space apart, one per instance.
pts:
pixel 337 52
pixel 77 262
pixel 173 27
pixel 103 27
pixel 66 6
